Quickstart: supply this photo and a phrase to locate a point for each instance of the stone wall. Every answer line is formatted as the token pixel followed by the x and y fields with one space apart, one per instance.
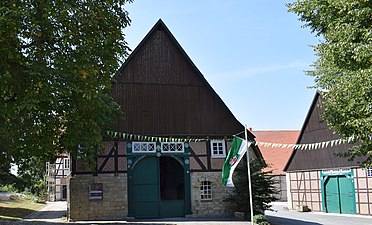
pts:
pixel 114 204
pixel 215 207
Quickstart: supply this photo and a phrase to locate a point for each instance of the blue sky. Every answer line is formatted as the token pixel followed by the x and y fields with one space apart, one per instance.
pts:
pixel 252 52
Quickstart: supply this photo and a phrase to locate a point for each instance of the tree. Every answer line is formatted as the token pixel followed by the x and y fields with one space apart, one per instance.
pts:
pixel 343 69
pixel 57 61
pixel 263 189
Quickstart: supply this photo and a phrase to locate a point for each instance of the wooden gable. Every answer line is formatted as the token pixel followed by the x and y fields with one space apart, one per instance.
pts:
pixel 162 92
pixel 316 130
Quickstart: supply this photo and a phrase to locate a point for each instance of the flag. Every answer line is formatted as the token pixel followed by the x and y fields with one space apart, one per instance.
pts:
pixel 236 153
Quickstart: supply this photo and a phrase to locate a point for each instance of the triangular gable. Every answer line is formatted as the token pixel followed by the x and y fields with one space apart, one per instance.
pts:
pixel 315 130
pixel 162 92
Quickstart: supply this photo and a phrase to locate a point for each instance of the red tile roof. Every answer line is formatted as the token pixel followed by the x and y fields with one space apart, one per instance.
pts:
pixel 276 157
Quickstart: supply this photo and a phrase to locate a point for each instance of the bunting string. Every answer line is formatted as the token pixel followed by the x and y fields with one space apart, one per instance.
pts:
pixel 310 146
pixel 137 137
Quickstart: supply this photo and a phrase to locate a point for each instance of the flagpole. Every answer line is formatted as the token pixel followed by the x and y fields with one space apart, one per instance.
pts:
pixel 249 176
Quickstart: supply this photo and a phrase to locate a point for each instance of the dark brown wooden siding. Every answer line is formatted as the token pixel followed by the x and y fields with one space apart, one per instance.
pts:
pixel 162 93
pixel 315 130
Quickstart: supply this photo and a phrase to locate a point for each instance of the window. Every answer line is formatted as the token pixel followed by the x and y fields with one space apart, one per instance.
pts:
pixel 143 147
pixel 369 171
pixel 206 191
pixel 218 148
pixel 47 168
pixel 96 191
pixel 172 147
pixel 66 163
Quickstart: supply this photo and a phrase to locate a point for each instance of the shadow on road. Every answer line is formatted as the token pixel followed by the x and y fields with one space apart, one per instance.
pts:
pixel 186 219
pixel 15 212
pixel 47 214
pixel 162 221
pixel 66 223
pixel 286 221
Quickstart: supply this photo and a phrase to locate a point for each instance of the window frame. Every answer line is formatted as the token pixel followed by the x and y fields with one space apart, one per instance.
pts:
pixel 182 144
pixel 223 144
pixel 142 144
pixel 369 172
pixel 66 166
pixel 206 191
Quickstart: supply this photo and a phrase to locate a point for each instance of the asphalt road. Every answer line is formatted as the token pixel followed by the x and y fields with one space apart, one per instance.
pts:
pixel 281 216
pixel 54 212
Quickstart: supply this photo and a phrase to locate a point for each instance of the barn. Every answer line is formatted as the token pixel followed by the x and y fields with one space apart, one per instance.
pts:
pixel 276 158
pixel 164 158
pixel 321 180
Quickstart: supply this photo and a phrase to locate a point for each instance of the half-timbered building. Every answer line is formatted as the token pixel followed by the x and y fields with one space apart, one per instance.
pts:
pixel 320 179
pixel 57 178
pixel 166 154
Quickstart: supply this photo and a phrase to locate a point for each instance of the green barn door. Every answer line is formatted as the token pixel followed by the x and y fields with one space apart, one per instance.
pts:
pixel 339 193
pixel 332 193
pixel 347 195
pixel 146 188
pixel 159 183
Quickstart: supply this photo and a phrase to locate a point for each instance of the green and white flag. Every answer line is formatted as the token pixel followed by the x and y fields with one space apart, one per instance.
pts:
pixel 236 153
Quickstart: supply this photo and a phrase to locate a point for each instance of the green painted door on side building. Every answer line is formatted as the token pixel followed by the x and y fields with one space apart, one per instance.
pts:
pixel 347 195
pixel 332 193
pixel 339 195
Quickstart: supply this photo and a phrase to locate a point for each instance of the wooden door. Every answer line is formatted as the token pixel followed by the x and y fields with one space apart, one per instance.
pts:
pixel 332 195
pixel 339 195
pixel 146 188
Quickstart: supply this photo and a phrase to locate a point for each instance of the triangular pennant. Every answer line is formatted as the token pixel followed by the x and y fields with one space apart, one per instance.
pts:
pixel 349 139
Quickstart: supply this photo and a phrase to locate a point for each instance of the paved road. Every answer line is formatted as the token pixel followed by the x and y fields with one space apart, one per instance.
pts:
pixel 5 195
pixel 281 216
pixel 54 214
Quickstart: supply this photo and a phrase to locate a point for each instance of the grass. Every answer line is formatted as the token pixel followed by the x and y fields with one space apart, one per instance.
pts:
pixel 17 208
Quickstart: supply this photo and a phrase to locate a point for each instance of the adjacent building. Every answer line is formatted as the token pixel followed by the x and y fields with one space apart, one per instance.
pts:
pixel 320 179
pixel 57 174
pixel 275 157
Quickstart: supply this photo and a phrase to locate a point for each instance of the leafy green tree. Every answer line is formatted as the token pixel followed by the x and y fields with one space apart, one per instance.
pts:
pixel 57 60
pixel 343 69
pixel 263 189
